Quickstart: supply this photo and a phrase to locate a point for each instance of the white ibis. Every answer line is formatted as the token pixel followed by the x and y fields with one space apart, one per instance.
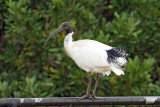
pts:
pixel 92 56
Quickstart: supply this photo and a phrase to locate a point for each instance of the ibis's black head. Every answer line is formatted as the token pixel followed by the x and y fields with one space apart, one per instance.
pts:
pixel 66 26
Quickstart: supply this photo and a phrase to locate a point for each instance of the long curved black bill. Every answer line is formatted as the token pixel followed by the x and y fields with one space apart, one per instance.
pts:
pixel 59 29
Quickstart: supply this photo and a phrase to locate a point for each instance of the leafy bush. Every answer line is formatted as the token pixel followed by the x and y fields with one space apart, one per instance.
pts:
pixel 29 70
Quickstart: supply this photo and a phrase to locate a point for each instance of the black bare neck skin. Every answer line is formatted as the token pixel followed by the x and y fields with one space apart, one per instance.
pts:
pixel 69 30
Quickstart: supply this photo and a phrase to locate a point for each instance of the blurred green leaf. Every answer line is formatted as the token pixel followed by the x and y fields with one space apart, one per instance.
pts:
pixel 29 70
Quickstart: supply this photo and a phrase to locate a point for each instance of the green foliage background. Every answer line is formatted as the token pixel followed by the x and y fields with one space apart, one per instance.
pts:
pixel 27 69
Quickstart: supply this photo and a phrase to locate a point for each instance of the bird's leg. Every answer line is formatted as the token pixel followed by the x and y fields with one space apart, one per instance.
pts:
pixel 95 87
pixel 88 89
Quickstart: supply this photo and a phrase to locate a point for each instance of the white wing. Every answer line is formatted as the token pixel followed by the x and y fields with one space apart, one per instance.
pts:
pixel 90 55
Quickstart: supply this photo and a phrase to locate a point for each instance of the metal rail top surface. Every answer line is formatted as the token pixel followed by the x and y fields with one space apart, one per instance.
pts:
pixel 72 101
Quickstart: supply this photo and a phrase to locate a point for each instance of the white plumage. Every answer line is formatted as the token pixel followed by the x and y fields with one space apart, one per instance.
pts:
pixel 91 56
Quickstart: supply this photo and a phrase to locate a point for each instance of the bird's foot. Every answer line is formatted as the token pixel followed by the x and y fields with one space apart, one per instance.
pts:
pixel 94 96
pixel 87 96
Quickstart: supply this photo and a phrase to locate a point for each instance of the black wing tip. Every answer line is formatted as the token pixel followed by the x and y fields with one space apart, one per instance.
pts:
pixel 121 52
pixel 115 53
